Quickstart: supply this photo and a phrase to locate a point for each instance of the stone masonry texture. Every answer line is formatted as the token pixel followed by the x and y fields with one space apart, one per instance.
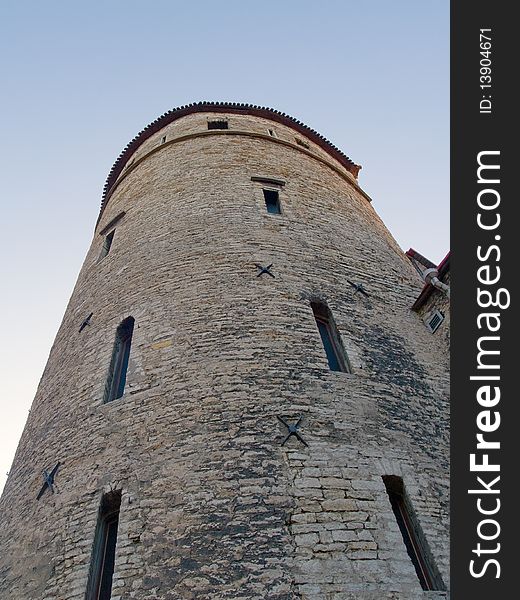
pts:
pixel 213 506
pixel 438 301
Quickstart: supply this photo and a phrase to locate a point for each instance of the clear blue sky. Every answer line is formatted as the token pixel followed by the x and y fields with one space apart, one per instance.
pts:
pixel 80 79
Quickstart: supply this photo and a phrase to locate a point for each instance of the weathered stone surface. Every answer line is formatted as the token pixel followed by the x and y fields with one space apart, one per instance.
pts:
pixel 213 506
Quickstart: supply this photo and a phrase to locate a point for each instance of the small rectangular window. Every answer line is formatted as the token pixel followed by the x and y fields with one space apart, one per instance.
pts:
pixel 163 139
pixel 336 355
pixel 272 132
pixel 220 124
pixel 412 535
pixel 272 202
pixel 434 321
pixel 116 380
pixel 107 243
pixel 104 550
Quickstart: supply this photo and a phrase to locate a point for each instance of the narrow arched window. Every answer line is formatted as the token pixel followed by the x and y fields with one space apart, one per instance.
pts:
pixel 103 558
pixel 413 536
pixel 116 379
pixel 330 338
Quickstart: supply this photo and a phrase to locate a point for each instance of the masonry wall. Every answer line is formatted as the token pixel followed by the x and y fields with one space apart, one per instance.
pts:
pixel 438 300
pixel 213 506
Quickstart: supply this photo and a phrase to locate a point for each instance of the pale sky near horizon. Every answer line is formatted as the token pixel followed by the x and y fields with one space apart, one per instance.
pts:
pixel 80 80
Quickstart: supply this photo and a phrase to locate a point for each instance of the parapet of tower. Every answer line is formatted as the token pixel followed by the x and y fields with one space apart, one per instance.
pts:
pixel 239 403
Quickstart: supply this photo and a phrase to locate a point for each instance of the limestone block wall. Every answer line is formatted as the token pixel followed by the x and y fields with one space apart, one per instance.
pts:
pixel 213 506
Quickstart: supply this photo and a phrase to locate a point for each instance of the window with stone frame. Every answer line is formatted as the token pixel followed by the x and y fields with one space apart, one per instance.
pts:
pixel 272 201
pixel 330 338
pixel 103 556
pixel 116 378
pixel 412 534
pixel 218 124
pixel 107 244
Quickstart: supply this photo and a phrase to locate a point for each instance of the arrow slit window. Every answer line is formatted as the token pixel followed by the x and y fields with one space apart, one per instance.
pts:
pixel 104 549
pixel 107 243
pixel 330 338
pixel 413 537
pixel 116 380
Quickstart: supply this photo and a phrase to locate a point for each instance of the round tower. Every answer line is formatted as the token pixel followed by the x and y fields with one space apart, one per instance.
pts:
pixel 240 402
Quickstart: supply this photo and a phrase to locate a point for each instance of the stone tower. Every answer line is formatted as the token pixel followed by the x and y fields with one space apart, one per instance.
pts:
pixel 239 402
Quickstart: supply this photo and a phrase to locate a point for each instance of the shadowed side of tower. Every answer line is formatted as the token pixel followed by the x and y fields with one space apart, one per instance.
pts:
pixel 238 418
